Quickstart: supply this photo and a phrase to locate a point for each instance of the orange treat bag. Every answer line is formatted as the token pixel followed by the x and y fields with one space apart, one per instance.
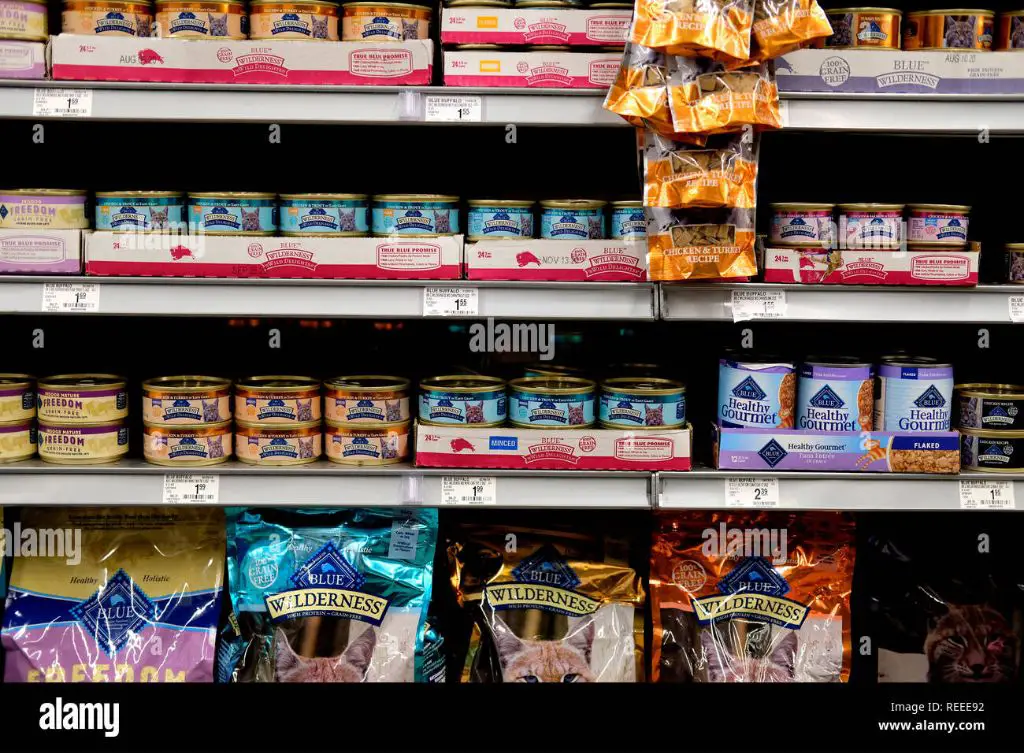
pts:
pixel 749 596
pixel 721 174
pixel 704 97
pixel 781 26
pixel 700 244
pixel 711 28
pixel 640 90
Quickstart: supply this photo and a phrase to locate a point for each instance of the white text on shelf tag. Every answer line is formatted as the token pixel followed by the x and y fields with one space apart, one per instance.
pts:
pixel 758 304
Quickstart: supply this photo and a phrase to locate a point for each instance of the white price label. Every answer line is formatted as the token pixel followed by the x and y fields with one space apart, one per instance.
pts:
pixel 62 103
pixel 451 302
pixel 758 304
pixel 1016 308
pixel 453 109
pixel 71 297
pixel 750 491
pixel 469 490
pixel 976 494
pixel 191 489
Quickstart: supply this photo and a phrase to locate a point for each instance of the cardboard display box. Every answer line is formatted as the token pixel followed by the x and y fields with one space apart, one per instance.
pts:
pixel 872 266
pixel 529 26
pixel 40 252
pixel 576 261
pixel 22 60
pixel 561 69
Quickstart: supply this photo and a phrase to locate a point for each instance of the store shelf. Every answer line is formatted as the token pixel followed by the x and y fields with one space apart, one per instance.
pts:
pixel 33 482
pixel 394 299
pixel 841 303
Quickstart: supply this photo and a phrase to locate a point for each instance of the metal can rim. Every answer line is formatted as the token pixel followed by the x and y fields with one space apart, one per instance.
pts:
pixel 43 192
pixel 619 427
pixel 149 426
pixel 67 382
pixel 893 11
pixel 959 208
pixel 1007 391
pixel 868 207
pixel 232 194
pixel 323 196
pixel 626 203
pixel 142 194
pixel 64 424
pixel 924 362
pixel 299 3
pixel 534 385
pixel 993 433
pixel 419 198
pixel 260 383
pixel 354 428
pixel 440 384
pixel 573 204
pixel 951 12
pixel 396 384
pixel 370 4
pixel 622 384
pixel 167 383
pixel 450 424
pixel 500 203
pixel 13 380
pixel 801 205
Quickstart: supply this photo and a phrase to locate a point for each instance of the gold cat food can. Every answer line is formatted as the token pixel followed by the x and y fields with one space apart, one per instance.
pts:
pixel 1010 31
pixel 82 399
pixel 23 19
pixel 275 444
pixel 277 399
pixel 186 400
pixel 82 444
pixel 107 17
pixel 350 444
pixel 201 19
pixel 957 28
pixel 17 440
pixel 43 209
pixel 384 22
pixel 17 397
pixel 372 399
pixel 862 29
pixel 272 19
pixel 208 444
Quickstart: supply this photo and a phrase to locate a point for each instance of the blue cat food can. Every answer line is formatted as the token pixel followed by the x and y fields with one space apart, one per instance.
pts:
pixel 499 218
pixel 913 394
pixel 835 395
pixel 415 214
pixel 337 214
pixel 566 402
pixel 642 403
pixel 756 394
pixel 140 211
pixel 463 399
pixel 628 221
pixel 573 219
pixel 241 213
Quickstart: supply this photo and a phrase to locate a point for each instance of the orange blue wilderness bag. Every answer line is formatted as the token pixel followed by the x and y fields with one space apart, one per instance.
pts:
pixel 704 97
pixel 722 173
pixel 717 29
pixel 781 26
pixel 700 244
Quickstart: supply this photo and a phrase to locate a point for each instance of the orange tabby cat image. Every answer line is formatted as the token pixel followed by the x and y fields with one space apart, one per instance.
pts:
pixel 565 660
pixel 725 666
pixel 971 644
pixel 350 666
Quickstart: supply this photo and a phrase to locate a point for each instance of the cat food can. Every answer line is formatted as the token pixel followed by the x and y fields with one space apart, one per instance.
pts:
pixel 566 402
pixel 113 17
pixel 628 221
pixel 415 214
pixel 801 225
pixel 553 370
pixel 241 213
pixel 642 403
pixel 82 399
pixel 384 22
pixel 371 399
pixel 186 400
pixel 863 29
pixel 273 19
pixel 992 451
pixel 17 440
pixel 140 211
pixel 275 444
pixel 835 395
pixel 957 28
pixel 1010 31
pixel 1015 262
pixel 201 19
pixel 756 394
pixel 23 20
pixel 870 225
pixel 499 218
pixel 209 444
pixel 463 399
pixel 82 444
pixel 335 214
pixel 43 208
pixel 913 394
pixel 937 224
pixel 17 397
pixel 574 219
pixel 367 445
pixel 277 399
pixel 993 407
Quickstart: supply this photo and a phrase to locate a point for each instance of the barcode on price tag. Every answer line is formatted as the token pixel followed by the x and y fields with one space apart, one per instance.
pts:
pixel 750 491
pixel 452 109
pixel 451 302
pixel 191 489
pixel 71 297
pixel 62 103
pixel 758 304
pixel 1016 303
pixel 978 494
pixel 469 490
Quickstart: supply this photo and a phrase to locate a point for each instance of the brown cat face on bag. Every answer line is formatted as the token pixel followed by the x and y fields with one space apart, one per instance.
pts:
pixel 350 666
pixel 724 666
pixel 971 644
pixel 566 660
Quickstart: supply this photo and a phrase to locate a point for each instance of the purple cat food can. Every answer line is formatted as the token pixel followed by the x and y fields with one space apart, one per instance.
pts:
pixel 1015 262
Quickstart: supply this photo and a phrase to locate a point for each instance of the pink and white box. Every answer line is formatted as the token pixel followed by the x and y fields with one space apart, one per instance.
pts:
pixel 40 252
pixel 559 260
pixel 93 58
pixel 872 266
pixel 554 450
pixel 167 255
pixel 560 69
pixel 22 60
pixel 528 26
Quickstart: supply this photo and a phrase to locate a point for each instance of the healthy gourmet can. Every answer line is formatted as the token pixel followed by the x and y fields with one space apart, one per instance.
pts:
pixel 835 395
pixel 913 394
pixel 756 393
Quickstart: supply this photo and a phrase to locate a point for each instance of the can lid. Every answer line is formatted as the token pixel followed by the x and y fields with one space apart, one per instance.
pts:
pixel 840 361
pixel 463 383
pixel 628 204
pixel 990 390
pixel 322 196
pixel 992 433
pixel 555 385
pixel 186 429
pixel 82 382
pixel 573 203
pixel 921 361
pixel 385 5
pixel 42 192
pixel 368 383
pixel 186 383
pixel 500 203
pixel 940 207
pixel 646 385
pixel 278 383
pixel 871 207
pixel 415 197
pixel 16 380
pixel 799 205
pixel 234 194
pixel 952 12
pixel 142 194
pixel 895 11
pixel 290 3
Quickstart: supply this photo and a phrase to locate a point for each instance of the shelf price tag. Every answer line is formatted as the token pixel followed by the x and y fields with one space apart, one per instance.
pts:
pixel 1016 308
pixel 978 494
pixel 758 304
pixel 469 490
pixel 191 489
pixel 447 108
pixel 451 302
pixel 71 297
pixel 62 103
pixel 751 491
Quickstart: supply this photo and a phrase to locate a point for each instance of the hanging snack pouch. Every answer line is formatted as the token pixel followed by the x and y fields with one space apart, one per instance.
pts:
pixel 710 28
pixel 721 174
pixel 781 26
pixel 126 595
pixel 328 595
pixel 752 596
pixel 640 90
pixel 563 607
pixel 706 98
pixel 700 244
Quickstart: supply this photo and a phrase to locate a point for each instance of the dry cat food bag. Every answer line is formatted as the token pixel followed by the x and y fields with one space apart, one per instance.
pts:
pixel 328 595
pixel 710 28
pixel 781 26
pixel 704 97
pixel 752 596
pixel 944 599
pixel 700 244
pixel 125 595
pixel 722 173
pixel 558 607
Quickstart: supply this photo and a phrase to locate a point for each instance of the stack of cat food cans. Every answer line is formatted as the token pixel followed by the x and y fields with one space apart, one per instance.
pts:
pixel 17 417
pixel 367 419
pixel 82 418
pixel 991 427
pixel 278 420
pixel 186 420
